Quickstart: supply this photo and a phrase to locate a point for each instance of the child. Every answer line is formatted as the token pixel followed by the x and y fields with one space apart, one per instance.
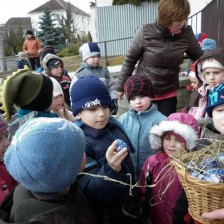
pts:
pixel 45 157
pixel 54 67
pixel 179 132
pixel 140 118
pixel 21 62
pixel 90 53
pixel 91 104
pixel 58 105
pixel 31 93
pixel 194 97
pixel 6 181
pixel 211 71
pixel 211 128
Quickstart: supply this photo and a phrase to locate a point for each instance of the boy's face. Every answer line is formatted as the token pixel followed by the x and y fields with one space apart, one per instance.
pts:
pixel 218 118
pixel 95 117
pixel 172 144
pixel 4 143
pixel 140 103
pixel 213 76
pixel 57 70
pixel 194 83
pixel 94 61
pixel 57 102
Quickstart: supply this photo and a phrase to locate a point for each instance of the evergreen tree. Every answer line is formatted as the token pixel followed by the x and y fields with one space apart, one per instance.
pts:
pixel 50 34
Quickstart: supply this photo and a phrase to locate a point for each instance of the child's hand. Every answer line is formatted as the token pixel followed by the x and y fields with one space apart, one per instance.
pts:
pixel 115 158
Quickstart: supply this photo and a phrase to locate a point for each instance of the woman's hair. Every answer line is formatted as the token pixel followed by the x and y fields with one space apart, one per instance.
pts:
pixel 172 10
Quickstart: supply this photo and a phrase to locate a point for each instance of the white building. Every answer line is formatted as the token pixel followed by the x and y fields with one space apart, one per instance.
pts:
pixel 81 20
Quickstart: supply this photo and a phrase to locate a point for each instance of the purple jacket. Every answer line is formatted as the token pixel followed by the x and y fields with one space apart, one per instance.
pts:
pixel 164 194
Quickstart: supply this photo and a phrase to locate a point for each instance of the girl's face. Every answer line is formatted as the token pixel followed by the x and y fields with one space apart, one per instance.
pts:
pixel 176 26
pixel 218 118
pixel 4 143
pixel 213 76
pixel 194 83
pixel 95 117
pixel 172 144
pixel 140 103
pixel 57 102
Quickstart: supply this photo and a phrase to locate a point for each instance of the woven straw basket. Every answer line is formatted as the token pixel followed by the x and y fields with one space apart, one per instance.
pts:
pixel 202 195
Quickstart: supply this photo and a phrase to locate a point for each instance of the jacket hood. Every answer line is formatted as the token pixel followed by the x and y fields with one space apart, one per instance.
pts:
pixel 47 58
pixel 217 53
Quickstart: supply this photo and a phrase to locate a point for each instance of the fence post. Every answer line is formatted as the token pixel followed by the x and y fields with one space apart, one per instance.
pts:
pixel 105 47
pixel 2 54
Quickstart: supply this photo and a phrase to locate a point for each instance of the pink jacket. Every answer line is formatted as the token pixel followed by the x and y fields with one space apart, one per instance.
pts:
pixel 7 183
pixel 199 112
pixel 166 191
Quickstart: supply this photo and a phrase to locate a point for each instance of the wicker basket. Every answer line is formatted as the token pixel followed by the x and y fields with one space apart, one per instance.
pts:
pixel 202 195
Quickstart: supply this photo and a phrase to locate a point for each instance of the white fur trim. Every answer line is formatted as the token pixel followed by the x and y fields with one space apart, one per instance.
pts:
pixel 185 131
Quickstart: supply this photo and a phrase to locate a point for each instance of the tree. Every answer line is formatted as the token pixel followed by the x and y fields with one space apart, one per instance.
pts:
pixel 134 2
pixel 67 24
pixel 50 34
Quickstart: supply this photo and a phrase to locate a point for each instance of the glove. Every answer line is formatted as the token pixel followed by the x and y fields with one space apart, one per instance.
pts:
pixel 114 107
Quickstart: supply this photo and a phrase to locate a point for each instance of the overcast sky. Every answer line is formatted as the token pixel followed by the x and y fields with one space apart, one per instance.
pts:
pixel 20 8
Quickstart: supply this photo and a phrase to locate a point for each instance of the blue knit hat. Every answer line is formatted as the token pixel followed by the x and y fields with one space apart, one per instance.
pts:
pixel 208 44
pixel 88 50
pixel 215 98
pixel 87 92
pixel 45 154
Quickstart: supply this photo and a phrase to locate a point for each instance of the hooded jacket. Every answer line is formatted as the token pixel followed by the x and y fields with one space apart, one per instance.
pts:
pixel 160 55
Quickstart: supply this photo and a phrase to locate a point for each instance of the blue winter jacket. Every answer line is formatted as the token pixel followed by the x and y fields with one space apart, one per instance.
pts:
pixel 137 127
pixel 104 194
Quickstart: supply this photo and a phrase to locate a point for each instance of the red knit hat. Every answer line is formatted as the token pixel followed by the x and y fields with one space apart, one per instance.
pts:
pixel 138 85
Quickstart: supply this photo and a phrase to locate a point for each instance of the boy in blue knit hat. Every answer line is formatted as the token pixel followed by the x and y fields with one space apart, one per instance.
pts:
pixel 91 55
pixel 45 157
pixel 91 104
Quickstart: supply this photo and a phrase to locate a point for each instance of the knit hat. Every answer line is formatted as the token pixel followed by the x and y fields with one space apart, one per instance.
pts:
pixel 208 44
pixel 57 90
pixel 54 59
pixel 182 124
pixel 22 54
pixel 88 50
pixel 29 32
pixel 192 70
pixel 48 49
pixel 45 154
pixel 211 63
pixel 53 63
pixel 87 92
pixel 200 37
pixel 3 124
pixel 215 98
pixel 27 90
pixel 138 85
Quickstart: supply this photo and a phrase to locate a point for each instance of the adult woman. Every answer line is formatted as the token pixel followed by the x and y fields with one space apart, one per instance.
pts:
pixel 160 48
pixel 32 47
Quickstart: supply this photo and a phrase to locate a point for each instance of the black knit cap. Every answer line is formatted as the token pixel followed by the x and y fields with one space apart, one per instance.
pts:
pixel 29 32
pixel 138 85
pixel 44 98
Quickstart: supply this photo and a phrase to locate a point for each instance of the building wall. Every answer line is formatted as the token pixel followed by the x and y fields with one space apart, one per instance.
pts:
pixel 119 22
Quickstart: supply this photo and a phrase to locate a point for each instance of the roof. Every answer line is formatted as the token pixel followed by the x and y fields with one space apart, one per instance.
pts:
pixel 58 5
pixel 19 21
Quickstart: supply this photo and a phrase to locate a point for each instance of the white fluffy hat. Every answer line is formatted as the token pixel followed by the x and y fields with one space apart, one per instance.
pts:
pixel 57 90
pixel 182 124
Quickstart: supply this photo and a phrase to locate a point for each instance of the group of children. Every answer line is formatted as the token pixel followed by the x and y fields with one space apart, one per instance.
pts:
pixel 51 143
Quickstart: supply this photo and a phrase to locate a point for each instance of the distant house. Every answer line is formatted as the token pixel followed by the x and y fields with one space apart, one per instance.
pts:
pixel 58 7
